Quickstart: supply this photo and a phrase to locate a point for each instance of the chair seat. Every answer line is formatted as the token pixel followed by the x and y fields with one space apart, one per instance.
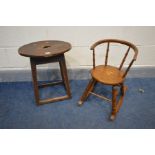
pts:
pixel 107 74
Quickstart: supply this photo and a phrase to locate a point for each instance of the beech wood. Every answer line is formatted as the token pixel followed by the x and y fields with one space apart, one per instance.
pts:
pixel 107 75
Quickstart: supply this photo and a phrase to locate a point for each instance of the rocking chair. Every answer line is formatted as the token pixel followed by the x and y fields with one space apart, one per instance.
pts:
pixel 110 75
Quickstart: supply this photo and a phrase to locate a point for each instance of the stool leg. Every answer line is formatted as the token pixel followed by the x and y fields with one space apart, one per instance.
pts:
pixel 35 82
pixel 61 73
pixel 65 76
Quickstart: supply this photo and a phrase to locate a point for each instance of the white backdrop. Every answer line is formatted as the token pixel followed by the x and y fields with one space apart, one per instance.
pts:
pixel 81 38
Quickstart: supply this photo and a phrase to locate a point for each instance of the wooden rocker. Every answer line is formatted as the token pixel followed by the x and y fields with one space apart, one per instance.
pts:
pixel 110 75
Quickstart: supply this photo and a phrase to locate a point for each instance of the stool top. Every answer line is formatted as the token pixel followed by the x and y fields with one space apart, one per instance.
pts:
pixel 47 48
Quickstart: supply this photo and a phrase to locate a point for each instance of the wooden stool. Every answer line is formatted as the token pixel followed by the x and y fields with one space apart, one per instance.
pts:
pixel 43 52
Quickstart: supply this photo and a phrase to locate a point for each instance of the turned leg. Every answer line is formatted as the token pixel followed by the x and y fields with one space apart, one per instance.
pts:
pixel 88 89
pixel 114 109
pixel 122 89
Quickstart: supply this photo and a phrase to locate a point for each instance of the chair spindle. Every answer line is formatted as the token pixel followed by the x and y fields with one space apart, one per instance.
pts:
pixel 123 60
pixel 128 68
pixel 94 58
pixel 106 58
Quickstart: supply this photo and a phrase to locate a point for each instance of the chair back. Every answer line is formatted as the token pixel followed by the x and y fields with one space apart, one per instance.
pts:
pixel 109 42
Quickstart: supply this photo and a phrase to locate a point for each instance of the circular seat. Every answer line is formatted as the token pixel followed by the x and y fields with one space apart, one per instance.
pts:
pixel 48 48
pixel 107 74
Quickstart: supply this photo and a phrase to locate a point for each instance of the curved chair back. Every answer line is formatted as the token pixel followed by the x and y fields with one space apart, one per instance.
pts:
pixel 109 42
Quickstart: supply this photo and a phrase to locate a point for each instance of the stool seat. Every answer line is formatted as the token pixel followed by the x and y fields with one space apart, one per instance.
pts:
pixel 46 48
pixel 107 74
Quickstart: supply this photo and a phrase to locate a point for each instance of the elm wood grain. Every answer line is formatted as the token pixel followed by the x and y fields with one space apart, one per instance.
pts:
pixel 46 48
pixel 43 52
pixel 110 75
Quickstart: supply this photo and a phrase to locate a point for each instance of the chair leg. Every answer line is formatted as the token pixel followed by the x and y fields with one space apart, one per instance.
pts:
pixel 114 107
pixel 88 89
pixel 117 105
pixel 123 91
